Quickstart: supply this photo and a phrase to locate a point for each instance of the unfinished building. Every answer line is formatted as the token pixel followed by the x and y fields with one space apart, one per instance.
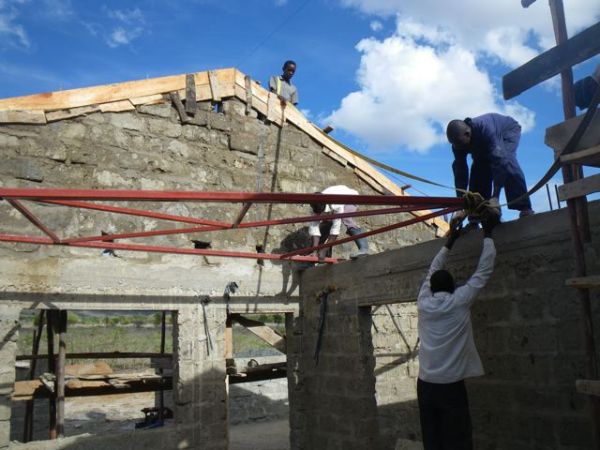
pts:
pixel 351 339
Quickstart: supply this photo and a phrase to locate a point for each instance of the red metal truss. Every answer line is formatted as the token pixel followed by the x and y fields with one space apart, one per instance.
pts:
pixel 85 199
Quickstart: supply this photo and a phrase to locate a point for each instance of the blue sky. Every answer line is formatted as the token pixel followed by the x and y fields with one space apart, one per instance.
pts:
pixel 388 74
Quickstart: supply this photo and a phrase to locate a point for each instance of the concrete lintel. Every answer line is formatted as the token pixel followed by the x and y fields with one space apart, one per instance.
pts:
pixel 241 305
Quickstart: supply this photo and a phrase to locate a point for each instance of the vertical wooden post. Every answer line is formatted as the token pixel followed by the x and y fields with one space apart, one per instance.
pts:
pixel 229 341
pixel 29 407
pixel 50 320
pixel 580 229
pixel 60 372
pixel 163 328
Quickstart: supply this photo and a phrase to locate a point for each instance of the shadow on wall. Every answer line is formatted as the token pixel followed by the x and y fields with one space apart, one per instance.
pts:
pixel 289 269
pixel 206 425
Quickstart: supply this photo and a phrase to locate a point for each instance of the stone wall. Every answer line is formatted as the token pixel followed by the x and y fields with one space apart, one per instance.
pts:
pixel 526 325
pixel 222 149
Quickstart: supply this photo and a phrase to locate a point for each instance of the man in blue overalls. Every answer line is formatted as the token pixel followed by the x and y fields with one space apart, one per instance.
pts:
pixel 492 141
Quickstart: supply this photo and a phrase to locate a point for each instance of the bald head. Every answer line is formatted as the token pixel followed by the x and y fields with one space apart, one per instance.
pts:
pixel 458 133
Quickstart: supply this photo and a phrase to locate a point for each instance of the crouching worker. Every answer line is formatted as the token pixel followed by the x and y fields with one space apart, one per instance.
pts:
pixel 447 352
pixel 328 230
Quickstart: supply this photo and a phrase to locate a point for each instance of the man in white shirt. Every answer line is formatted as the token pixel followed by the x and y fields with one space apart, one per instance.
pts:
pixel 447 353
pixel 328 230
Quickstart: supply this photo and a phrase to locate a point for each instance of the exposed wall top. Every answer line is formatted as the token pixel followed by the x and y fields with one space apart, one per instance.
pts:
pixel 209 85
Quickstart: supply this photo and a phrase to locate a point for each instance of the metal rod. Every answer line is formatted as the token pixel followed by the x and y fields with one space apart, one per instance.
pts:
pixel 241 215
pixel 135 212
pixel 223 197
pixel 263 223
pixel 33 219
pixel 370 233
pixel 549 198
pixel 557 197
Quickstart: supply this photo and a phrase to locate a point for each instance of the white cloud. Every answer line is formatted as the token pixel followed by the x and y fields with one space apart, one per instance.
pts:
pixel 430 69
pixel 130 25
pixel 411 85
pixel 121 36
pixel 376 25
pixel 12 32
pixel 478 25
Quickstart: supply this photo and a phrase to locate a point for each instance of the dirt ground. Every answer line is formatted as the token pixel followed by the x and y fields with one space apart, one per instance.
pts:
pixel 109 414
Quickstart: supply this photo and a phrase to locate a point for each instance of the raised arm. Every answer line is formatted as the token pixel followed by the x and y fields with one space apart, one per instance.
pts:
pixel 467 293
pixel 440 259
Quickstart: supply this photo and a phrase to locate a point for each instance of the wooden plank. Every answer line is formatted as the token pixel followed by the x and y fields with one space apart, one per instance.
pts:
pixel 262 331
pixel 145 91
pixel 28 390
pixel 587 157
pixel 579 188
pixel 100 355
pixel 275 113
pixel 50 321
pixel 14 116
pixel 557 136
pixel 589 282
pixel 214 86
pixel 369 180
pixel 190 94
pixel 119 106
pixel 258 105
pixel 72 112
pixel 147 99
pixel 571 52
pixel 335 156
pixel 589 387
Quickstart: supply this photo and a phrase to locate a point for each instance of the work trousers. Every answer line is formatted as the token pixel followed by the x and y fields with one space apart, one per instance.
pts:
pixel 445 418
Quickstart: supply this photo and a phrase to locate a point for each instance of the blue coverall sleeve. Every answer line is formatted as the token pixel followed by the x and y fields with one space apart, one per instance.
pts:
pixel 461 171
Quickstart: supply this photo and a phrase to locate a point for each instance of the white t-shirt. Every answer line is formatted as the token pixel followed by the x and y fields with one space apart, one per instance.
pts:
pixel 447 350
pixel 313 228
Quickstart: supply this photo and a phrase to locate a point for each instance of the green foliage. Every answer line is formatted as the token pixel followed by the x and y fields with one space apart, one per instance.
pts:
pixel 73 318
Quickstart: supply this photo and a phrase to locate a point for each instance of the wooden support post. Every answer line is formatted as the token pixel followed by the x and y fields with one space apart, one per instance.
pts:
pixel 214 86
pixel 248 82
pixel 229 361
pixel 50 320
pixel 580 231
pixel 190 95
pixel 29 408
pixel 161 399
pixel 60 372
pixel 179 107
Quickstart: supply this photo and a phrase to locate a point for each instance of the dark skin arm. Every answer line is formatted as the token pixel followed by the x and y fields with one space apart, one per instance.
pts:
pixel 453 234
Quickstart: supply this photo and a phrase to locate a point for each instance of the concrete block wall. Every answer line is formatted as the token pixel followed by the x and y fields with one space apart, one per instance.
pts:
pixel 9 333
pixel 333 401
pixel 526 325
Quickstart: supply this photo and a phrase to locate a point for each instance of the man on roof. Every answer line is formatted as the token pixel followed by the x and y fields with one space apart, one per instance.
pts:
pixel 328 230
pixel 282 84
pixel 492 141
